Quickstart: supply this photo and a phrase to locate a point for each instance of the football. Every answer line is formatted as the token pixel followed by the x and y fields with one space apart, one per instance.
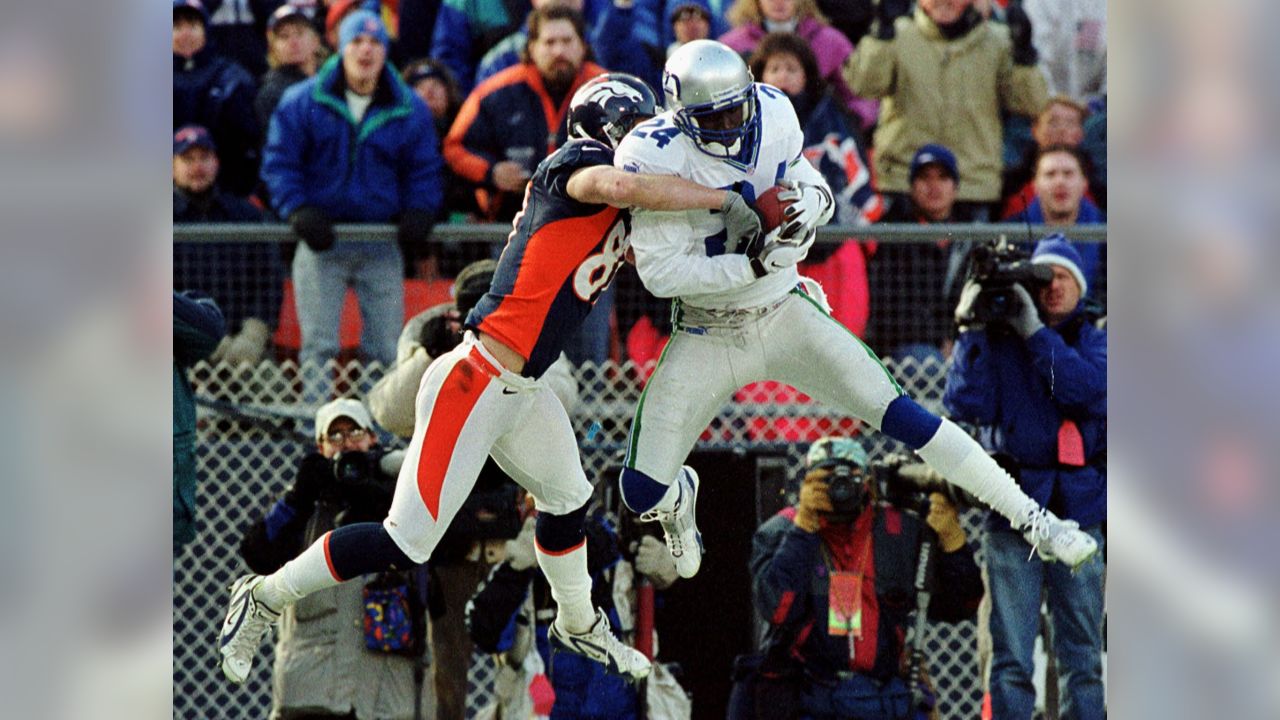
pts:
pixel 770 208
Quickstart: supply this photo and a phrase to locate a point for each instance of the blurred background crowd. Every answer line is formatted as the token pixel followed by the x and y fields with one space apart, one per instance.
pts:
pixel 949 111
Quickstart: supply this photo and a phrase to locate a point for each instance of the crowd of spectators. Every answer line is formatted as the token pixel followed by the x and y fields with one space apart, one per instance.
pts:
pixel 463 98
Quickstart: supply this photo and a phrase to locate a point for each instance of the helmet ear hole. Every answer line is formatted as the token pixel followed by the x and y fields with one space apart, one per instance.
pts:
pixel 605 108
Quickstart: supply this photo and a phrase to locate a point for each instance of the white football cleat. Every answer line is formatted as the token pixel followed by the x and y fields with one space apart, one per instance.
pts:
pixel 600 645
pixel 680 525
pixel 1057 539
pixel 247 621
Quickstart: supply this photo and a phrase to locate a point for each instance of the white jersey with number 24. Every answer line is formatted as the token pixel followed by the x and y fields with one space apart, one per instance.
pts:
pixel 683 254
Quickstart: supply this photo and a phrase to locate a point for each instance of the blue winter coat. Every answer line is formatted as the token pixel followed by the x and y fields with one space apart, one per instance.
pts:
pixel 1024 390
pixel 318 155
pixel 833 145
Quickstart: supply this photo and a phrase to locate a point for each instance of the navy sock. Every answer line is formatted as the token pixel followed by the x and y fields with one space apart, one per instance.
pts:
pixel 907 421
pixel 639 491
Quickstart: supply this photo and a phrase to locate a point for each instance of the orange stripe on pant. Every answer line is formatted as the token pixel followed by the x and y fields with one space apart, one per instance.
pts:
pixel 453 403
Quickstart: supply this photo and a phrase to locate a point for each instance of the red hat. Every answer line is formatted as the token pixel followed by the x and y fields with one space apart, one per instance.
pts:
pixel 337 11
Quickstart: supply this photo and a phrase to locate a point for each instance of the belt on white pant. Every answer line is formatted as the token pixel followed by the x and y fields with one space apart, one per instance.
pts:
pixel 698 320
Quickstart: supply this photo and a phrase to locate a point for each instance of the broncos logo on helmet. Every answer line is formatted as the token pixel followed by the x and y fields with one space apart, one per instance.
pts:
pixel 606 107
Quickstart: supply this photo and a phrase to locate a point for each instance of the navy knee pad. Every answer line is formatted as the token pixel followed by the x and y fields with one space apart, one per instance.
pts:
pixel 639 491
pixel 905 420
pixel 363 548
pixel 557 533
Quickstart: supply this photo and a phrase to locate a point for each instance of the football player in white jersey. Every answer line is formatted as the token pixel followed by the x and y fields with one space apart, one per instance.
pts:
pixel 744 314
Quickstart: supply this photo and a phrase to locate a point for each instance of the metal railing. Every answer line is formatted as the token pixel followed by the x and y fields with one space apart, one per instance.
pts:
pixel 909 232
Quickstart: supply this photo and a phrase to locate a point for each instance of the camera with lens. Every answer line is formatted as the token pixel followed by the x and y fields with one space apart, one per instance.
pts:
pixel 907 485
pixel 845 489
pixel 359 476
pixel 997 267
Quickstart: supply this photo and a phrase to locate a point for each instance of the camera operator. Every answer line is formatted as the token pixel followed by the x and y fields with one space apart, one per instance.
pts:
pixel 332 658
pixel 1036 380
pixel 834 576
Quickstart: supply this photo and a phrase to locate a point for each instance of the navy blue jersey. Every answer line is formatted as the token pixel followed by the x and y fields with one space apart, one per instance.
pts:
pixel 560 255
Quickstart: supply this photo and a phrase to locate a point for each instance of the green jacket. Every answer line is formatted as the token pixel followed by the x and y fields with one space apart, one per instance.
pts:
pixel 952 92
pixel 198 326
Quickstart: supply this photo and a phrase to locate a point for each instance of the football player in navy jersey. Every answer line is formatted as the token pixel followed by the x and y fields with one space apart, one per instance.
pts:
pixel 485 398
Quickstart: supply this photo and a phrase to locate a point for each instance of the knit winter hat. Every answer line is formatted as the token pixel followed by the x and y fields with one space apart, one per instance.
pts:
pixel 1057 250
pixel 831 450
pixel 699 6
pixel 359 23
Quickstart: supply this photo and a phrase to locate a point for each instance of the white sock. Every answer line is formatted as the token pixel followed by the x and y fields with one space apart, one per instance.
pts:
pixel 298 578
pixel 570 586
pixel 962 461
pixel 672 496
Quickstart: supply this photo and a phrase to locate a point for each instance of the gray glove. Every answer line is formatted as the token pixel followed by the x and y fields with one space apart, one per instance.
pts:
pixel 968 297
pixel 1027 321
pixel 741 223
pixel 654 560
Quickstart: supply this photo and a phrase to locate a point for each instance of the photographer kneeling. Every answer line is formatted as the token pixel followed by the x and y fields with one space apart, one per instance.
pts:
pixel 834 576
pixel 1034 375
pixel 349 651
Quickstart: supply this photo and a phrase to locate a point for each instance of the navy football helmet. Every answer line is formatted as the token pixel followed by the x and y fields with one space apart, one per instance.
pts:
pixel 607 106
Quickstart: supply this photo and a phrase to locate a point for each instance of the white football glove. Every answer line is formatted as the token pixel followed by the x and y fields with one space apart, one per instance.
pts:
pixel 777 253
pixel 812 207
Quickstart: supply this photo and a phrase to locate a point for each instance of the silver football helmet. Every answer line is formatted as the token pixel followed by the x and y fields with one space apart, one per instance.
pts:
pixel 710 89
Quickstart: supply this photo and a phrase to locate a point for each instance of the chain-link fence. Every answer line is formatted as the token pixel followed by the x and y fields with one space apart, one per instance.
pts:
pixel 253 431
